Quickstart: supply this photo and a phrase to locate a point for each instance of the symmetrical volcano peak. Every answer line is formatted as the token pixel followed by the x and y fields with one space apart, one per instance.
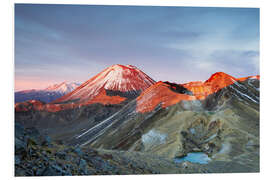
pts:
pixel 124 78
pixel 114 78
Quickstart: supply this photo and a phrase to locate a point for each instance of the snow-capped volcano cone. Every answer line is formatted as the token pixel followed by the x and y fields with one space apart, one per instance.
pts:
pixel 116 78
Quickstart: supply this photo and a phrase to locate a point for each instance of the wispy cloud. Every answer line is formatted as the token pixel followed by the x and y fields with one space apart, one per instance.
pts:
pixel 169 43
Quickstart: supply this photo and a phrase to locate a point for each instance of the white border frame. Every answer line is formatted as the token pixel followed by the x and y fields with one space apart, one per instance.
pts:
pixel 7 80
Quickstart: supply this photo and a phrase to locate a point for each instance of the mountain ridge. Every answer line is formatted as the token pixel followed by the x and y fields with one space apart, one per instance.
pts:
pixel 47 95
pixel 163 93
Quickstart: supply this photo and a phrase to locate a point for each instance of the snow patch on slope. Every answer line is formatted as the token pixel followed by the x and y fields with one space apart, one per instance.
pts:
pixel 245 95
pixel 153 138
pixel 63 87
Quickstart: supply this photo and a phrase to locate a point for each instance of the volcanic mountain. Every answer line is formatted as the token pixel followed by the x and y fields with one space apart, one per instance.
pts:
pixel 46 95
pixel 164 94
pixel 110 86
pixel 87 105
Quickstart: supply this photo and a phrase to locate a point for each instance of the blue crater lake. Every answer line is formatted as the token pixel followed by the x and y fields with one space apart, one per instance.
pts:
pixel 194 157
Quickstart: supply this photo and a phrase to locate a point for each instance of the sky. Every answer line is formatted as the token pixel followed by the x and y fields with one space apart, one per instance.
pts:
pixel 72 43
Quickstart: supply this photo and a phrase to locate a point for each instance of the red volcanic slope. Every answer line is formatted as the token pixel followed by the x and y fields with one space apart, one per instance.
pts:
pixel 216 82
pixel 117 78
pixel 37 105
pixel 161 94
pixel 29 105
pixel 104 99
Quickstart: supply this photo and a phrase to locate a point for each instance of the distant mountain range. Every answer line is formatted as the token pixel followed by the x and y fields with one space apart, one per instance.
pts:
pixel 122 108
pixel 45 95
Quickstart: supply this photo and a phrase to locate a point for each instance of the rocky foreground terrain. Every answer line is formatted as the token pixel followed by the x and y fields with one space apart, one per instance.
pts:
pixel 38 155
